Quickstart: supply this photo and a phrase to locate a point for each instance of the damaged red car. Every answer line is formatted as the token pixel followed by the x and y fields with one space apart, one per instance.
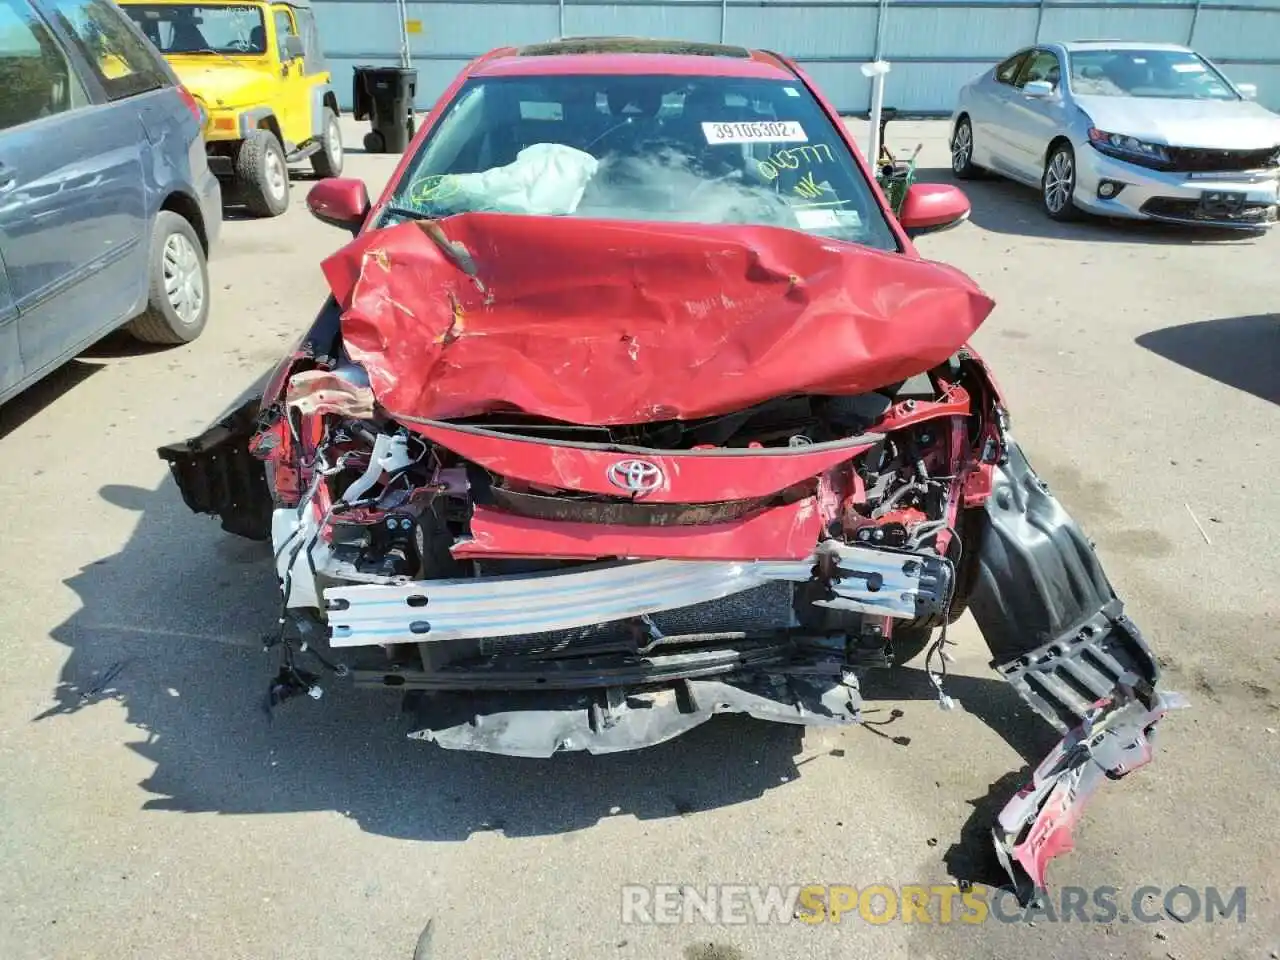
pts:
pixel 634 404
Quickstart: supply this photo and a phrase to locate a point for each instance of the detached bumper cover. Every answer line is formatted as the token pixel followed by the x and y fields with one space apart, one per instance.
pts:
pixel 1114 739
pixel 1059 635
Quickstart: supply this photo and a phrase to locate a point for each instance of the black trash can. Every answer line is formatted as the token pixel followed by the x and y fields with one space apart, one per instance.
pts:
pixel 384 96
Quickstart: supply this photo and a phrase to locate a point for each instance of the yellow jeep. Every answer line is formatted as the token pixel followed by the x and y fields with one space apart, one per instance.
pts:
pixel 257 70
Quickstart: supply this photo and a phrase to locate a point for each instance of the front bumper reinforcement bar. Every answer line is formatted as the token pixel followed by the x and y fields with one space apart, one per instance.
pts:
pixel 877 582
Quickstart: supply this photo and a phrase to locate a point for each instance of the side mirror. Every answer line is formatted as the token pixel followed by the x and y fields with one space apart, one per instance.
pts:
pixel 293 46
pixel 929 207
pixel 341 202
pixel 1038 89
pixel 1248 90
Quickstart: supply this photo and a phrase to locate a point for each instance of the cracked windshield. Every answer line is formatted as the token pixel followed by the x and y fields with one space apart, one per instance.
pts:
pixel 661 148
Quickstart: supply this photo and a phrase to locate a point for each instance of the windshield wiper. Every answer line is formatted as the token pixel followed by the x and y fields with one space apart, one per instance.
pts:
pixel 408 213
pixel 216 53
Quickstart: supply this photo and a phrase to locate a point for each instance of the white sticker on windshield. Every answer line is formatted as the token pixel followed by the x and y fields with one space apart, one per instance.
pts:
pixel 1188 67
pixel 791 91
pixel 768 131
pixel 816 219
pixel 535 110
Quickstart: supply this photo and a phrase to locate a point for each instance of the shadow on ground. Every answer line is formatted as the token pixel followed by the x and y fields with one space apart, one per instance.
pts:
pixel 1003 206
pixel 1242 352
pixel 21 408
pixel 170 629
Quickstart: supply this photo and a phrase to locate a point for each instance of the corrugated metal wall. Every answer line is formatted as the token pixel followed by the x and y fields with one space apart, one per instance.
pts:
pixel 934 45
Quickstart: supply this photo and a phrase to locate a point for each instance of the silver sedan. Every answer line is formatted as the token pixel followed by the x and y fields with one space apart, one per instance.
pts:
pixel 1137 130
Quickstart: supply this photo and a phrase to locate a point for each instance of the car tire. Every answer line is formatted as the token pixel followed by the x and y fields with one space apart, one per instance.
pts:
pixel 907 642
pixel 177 284
pixel 327 161
pixel 962 151
pixel 1058 183
pixel 262 174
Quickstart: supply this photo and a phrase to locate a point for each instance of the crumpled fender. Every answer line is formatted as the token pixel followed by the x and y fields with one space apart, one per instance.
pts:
pixel 617 322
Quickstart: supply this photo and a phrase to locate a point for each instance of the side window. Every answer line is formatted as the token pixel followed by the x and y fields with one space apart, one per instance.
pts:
pixel 1007 71
pixel 121 59
pixel 1042 66
pixel 312 59
pixel 35 79
pixel 284 28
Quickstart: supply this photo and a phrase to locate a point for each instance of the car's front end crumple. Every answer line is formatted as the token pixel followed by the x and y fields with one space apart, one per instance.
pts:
pixel 588 447
pixel 596 526
pixel 1237 189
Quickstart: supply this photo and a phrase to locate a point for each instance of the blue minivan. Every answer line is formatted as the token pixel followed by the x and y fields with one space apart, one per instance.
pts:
pixel 107 205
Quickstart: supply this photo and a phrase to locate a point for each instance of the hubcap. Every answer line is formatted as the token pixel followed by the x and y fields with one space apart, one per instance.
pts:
pixel 1059 181
pixel 333 143
pixel 183 282
pixel 277 178
pixel 961 147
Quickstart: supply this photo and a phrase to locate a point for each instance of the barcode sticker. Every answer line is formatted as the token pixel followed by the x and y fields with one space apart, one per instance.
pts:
pixel 767 131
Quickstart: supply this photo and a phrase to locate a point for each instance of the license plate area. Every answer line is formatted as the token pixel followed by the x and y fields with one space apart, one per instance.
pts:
pixel 1222 203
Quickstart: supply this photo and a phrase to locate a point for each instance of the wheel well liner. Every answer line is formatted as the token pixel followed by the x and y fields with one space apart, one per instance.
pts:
pixel 185 206
pixel 1060 138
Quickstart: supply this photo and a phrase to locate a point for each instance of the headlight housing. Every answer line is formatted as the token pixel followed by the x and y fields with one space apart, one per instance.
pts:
pixel 1129 148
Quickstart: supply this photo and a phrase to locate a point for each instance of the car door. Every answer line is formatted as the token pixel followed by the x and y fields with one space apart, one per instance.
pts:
pixel 51 235
pixel 11 369
pixel 991 138
pixel 1035 121
pixel 294 102
pixel 76 239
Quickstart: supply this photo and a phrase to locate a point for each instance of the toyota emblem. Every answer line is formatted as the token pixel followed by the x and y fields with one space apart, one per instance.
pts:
pixel 637 477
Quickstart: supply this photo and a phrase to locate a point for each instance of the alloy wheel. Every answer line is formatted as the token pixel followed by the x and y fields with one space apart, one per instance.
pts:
pixel 1059 181
pixel 961 148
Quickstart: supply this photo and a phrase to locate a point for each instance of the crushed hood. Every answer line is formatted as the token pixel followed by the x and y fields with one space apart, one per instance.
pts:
pixel 618 322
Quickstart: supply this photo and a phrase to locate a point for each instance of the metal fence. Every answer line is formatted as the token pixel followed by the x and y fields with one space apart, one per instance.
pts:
pixel 934 46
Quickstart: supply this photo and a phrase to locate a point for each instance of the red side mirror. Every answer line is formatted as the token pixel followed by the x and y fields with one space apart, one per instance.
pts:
pixel 932 206
pixel 340 202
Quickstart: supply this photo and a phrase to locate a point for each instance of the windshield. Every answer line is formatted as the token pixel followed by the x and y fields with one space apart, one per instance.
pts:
pixel 201 28
pixel 1171 74
pixel 664 148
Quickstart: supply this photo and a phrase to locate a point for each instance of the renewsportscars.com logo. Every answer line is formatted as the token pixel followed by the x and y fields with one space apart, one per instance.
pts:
pixel 941 903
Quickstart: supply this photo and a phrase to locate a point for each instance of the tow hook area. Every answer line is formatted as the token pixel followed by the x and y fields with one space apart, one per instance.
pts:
pixel 300 633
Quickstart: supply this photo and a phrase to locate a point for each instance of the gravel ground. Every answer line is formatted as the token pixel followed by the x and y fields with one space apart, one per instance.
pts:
pixel 149 809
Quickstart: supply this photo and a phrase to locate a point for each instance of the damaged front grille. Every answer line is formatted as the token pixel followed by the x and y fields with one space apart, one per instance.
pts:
pixel 1202 160
pixel 1176 208
pixel 620 512
pixel 760 610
